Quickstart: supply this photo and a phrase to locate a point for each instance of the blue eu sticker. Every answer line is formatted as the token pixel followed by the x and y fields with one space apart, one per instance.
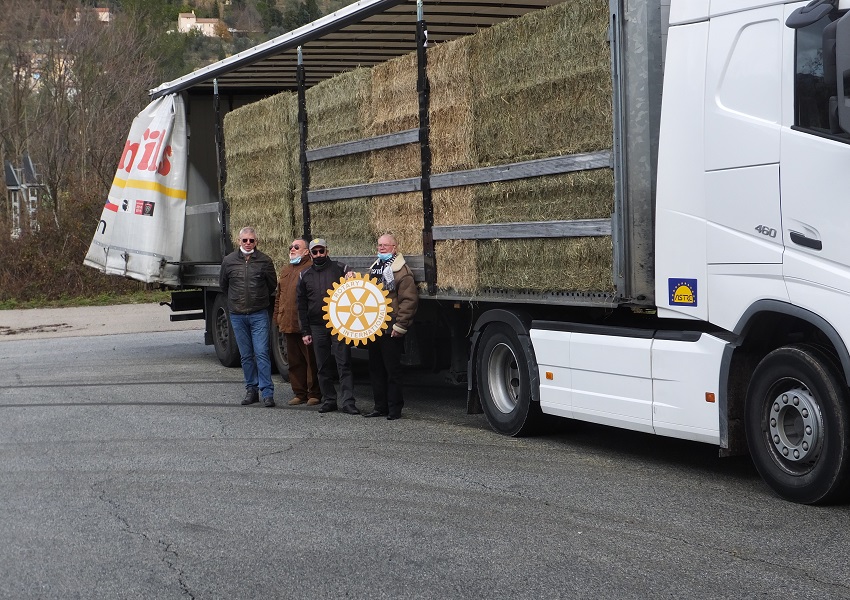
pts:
pixel 683 292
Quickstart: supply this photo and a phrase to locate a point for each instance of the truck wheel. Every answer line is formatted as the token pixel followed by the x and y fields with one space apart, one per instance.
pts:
pixel 223 338
pixel 797 424
pixel 280 358
pixel 504 382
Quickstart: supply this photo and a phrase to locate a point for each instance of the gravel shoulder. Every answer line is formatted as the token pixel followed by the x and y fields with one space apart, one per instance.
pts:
pixel 43 323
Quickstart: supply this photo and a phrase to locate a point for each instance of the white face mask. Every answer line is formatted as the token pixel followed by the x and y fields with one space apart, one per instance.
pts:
pixel 251 251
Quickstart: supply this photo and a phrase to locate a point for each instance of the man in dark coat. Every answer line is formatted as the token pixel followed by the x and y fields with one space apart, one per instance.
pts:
pixel 312 290
pixel 249 280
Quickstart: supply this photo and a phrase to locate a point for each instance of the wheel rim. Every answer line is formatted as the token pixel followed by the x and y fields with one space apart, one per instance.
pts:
pixel 794 427
pixel 503 377
pixel 222 333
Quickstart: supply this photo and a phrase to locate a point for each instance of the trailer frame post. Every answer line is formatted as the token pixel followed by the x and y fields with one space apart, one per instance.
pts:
pixel 424 91
pixel 225 245
pixel 302 144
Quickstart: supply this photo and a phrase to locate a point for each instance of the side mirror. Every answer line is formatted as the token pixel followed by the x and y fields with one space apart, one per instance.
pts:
pixel 813 12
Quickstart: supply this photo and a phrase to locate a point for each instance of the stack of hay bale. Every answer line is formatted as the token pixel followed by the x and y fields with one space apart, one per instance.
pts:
pixel 529 88
pixel 261 177
pixel 340 110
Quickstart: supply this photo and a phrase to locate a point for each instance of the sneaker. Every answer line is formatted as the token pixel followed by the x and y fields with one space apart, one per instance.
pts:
pixel 313 401
pixel 252 395
pixel 268 402
pixel 296 401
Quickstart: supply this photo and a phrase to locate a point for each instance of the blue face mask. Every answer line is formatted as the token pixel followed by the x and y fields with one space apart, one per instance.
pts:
pixel 385 255
pixel 295 261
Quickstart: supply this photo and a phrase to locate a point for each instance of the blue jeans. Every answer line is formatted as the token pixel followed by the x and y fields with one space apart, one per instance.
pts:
pixel 252 338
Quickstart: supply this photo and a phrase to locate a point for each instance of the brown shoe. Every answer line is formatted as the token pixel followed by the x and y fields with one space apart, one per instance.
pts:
pixel 313 402
pixel 296 401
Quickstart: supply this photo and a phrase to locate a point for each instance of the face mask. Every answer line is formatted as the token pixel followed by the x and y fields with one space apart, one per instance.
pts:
pixel 295 261
pixel 384 255
pixel 320 260
pixel 247 251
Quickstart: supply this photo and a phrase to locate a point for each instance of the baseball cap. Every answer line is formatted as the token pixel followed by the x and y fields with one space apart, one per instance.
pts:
pixel 318 242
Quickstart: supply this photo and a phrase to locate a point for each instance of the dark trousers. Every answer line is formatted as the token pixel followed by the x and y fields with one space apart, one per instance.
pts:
pixel 303 374
pixel 385 373
pixel 325 345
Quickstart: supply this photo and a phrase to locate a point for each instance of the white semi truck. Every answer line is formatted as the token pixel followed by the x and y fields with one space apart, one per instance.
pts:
pixel 730 319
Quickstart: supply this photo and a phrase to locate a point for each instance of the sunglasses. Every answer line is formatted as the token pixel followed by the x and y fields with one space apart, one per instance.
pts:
pixel 294 247
pixel 248 240
pixel 317 251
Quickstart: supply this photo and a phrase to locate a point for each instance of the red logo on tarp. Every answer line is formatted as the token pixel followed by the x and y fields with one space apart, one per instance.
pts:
pixel 144 208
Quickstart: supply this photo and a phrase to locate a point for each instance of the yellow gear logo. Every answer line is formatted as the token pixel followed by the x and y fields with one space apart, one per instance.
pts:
pixel 357 309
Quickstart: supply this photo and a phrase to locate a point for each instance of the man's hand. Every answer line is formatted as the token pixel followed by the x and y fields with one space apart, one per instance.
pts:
pixel 307 339
pixel 396 334
pixel 349 275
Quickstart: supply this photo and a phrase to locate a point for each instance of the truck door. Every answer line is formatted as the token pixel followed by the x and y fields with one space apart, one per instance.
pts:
pixel 815 177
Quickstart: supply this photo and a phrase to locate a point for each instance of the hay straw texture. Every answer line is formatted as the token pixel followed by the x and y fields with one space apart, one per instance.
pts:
pixel 396 103
pixel 340 110
pixel 533 87
pixel 450 110
pixel 261 175
pixel 543 84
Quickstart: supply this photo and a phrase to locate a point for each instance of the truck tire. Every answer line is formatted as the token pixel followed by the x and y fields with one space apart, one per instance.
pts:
pixel 280 359
pixel 223 338
pixel 504 382
pixel 798 425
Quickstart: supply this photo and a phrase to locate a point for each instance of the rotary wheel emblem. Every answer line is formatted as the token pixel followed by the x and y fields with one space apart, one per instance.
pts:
pixel 357 309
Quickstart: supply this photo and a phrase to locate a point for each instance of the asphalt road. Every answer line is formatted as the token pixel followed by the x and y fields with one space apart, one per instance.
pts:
pixel 128 469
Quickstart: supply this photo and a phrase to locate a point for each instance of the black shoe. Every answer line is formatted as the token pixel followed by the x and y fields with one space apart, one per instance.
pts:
pixel 268 402
pixel 374 413
pixel 325 408
pixel 251 396
pixel 350 409
pixel 393 417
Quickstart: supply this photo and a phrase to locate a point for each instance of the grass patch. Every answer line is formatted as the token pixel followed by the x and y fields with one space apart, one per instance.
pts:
pixel 104 299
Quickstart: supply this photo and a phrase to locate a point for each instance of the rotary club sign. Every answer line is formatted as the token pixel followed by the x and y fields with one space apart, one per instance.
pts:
pixel 357 309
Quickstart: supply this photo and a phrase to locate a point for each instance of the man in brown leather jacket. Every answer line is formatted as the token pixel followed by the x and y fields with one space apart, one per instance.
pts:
pixel 385 372
pixel 302 360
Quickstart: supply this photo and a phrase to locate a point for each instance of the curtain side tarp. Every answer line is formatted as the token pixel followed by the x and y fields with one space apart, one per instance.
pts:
pixel 141 227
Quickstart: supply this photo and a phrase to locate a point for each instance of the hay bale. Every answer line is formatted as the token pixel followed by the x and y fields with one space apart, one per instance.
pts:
pixel 346 225
pixel 261 172
pixel 339 110
pixel 542 84
pixel 457 266
pixel 546 265
pixel 387 216
pixel 450 109
pixel 396 103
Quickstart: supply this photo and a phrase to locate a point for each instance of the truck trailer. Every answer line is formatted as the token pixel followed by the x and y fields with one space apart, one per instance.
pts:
pixel 719 316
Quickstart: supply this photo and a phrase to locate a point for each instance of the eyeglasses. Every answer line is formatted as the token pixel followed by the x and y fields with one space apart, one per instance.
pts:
pixel 294 247
pixel 248 240
pixel 317 251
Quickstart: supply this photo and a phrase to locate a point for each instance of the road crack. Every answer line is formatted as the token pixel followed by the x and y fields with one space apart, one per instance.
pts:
pixel 168 556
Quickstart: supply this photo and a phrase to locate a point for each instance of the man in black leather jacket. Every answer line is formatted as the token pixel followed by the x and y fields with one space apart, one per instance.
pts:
pixel 313 287
pixel 249 280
